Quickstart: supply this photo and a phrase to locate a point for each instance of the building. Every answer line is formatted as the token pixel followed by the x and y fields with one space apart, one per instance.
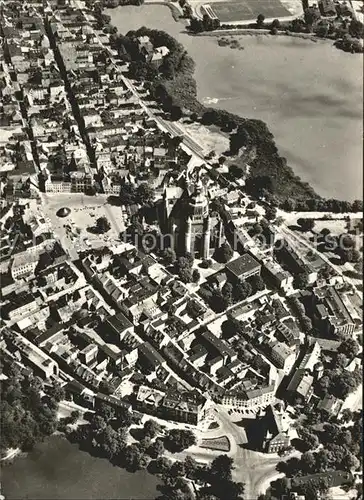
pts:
pixel 149 399
pixel 149 358
pixel 296 265
pixel 275 437
pixel 277 275
pixel 24 264
pixel 187 407
pixel 300 385
pixel 282 356
pixel 330 313
pixel 89 354
pixel 118 326
pixel 218 346
pixel 327 8
pixel 256 398
pixel 330 404
pixel 40 362
pixel 188 221
pixel 311 357
pixel 242 268
pixel 114 402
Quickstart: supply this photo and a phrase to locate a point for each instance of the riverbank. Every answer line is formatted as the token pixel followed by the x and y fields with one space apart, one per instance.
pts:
pixel 57 469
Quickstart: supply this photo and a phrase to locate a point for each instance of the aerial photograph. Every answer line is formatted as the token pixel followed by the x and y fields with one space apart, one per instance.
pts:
pixel 181 223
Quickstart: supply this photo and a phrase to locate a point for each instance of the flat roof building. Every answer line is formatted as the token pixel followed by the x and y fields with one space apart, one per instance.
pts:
pixel 243 267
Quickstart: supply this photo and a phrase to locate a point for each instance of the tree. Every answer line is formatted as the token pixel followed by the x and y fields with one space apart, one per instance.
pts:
pixel 128 194
pixel 343 383
pixel 163 465
pixel 256 229
pixel 242 290
pixel 190 466
pixel 341 360
pixel 144 193
pixel 309 441
pixel 169 255
pixel 103 225
pixel 308 462
pixel 57 392
pixel 227 292
pixel 156 449
pixel 322 30
pixel 196 276
pixel 106 412
pixel 312 15
pixel 218 301
pixel 98 423
pixel 176 113
pixel 300 281
pixel 306 224
pixel 257 284
pixel 260 20
pixel 75 415
pixel 132 456
pixel 271 213
pixel 111 441
pixel 349 347
pixel 306 323
pixel 276 24
pixel 356 28
pixel 185 274
pixel 346 415
pixel 179 439
pixel 151 428
pixel 221 467
pixel 183 269
pixel 178 469
pixel 350 462
pixel 224 253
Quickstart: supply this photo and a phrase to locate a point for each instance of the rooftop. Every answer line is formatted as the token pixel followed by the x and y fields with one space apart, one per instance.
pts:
pixel 243 265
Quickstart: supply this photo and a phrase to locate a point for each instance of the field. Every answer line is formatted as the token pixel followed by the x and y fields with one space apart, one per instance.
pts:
pixel 243 10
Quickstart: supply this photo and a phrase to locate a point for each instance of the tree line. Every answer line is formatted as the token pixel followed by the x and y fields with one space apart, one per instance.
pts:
pixel 27 416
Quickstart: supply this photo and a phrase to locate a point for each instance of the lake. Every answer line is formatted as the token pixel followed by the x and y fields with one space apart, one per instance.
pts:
pixel 309 94
pixel 57 469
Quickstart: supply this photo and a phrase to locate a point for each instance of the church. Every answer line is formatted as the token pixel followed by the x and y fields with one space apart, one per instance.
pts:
pixel 188 219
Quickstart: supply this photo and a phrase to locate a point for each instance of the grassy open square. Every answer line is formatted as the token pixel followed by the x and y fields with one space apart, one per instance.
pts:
pixel 241 10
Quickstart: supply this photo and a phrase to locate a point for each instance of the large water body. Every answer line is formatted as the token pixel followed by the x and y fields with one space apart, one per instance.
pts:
pixel 58 470
pixel 309 94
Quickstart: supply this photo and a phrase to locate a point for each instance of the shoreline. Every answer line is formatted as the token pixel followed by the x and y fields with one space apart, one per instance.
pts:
pixel 256 32
pixel 304 190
